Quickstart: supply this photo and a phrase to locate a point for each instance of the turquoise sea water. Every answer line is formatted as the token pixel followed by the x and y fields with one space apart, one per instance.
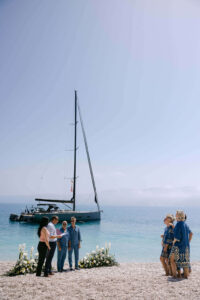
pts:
pixel 134 232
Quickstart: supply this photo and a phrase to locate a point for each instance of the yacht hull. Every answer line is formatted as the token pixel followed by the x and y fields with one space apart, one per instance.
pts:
pixel 81 216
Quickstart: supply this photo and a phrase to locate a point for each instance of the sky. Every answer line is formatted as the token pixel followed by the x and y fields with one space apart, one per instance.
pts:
pixel 136 67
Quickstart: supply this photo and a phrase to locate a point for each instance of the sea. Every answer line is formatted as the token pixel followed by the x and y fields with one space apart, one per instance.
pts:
pixel 134 232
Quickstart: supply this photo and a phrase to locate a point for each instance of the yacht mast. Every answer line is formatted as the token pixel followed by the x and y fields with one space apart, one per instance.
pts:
pixel 75 149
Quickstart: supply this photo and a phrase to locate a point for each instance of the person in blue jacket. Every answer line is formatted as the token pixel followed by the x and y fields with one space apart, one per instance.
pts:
pixel 167 242
pixel 62 245
pixel 74 243
pixel 180 253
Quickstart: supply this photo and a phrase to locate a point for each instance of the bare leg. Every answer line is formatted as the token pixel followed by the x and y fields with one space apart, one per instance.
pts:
pixel 179 273
pixel 186 272
pixel 165 266
pixel 173 266
pixel 169 267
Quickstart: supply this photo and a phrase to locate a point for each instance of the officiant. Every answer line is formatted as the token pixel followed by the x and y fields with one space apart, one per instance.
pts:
pixel 62 246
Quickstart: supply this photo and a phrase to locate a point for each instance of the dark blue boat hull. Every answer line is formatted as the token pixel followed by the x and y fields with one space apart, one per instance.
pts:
pixel 83 216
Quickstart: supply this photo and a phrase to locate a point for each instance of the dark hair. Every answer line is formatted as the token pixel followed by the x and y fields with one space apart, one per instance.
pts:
pixel 54 218
pixel 44 222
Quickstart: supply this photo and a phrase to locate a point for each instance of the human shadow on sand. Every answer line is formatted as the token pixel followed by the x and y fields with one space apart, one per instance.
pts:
pixel 172 279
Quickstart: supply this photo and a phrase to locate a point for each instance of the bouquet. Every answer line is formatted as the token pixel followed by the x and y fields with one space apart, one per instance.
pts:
pixel 98 258
pixel 24 264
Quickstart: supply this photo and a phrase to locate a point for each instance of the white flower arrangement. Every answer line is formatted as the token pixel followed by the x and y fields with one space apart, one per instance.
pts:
pixel 98 258
pixel 24 264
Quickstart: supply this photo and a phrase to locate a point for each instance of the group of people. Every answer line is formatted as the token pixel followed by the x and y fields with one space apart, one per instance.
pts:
pixel 175 254
pixel 66 239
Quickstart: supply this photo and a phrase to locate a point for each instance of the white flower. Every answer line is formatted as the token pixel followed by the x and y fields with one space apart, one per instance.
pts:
pixel 31 252
pixel 23 246
pixel 109 245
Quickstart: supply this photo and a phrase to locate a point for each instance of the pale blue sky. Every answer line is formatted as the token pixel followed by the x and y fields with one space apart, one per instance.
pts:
pixel 136 66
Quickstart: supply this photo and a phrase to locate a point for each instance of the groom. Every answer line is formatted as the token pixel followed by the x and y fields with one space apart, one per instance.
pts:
pixel 74 243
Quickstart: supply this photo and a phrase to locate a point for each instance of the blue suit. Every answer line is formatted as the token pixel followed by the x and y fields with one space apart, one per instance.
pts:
pixel 75 239
pixel 63 252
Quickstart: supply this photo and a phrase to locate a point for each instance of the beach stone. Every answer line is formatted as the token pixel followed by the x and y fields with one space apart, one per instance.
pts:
pixel 126 281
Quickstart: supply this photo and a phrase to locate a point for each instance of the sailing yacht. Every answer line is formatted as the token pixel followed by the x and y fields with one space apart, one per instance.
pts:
pixel 49 207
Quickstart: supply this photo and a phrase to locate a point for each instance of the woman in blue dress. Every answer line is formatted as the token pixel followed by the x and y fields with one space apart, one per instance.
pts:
pixel 180 253
pixel 167 242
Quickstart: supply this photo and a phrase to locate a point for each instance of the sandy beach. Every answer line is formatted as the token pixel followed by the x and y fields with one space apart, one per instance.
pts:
pixel 127 281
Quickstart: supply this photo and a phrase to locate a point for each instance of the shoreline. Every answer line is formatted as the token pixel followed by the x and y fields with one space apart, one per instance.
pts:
pixel 126 281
